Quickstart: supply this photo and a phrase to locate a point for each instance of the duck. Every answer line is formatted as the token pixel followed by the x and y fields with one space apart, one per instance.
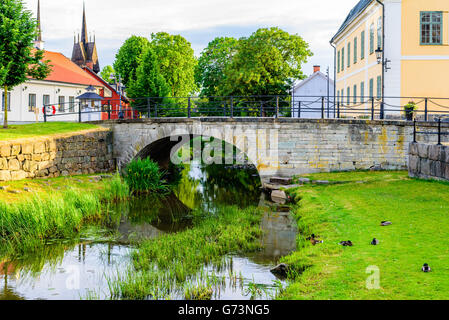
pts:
pixel 426 268
pixel 346 243
pixel 375 242
pixel 386 223
pixel 313 239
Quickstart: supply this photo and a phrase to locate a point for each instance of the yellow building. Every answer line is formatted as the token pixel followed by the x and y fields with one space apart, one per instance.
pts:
pixel 391 52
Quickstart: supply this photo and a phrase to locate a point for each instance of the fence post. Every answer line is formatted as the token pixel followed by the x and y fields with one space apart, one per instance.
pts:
pixel 155 110
pixel 338 110
pixel 414 130
pixel 109 110
pixel 322 107
pixel 189 108
pixel 45 113
pixel 299 109
pixel 149 107
pixel 372 108
pixel 79 111
pixel 382 110
pixel 277 106
pixel 261 110
pixel 439 131
pixel 425 111
pixel 232 107
pixel 224 109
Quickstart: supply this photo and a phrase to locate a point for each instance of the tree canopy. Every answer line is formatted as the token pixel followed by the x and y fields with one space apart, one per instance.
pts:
pixel 18 58
pixel 106 73
pixel 209 72
pixel 177 62
pixel 129 57
pixel 149 80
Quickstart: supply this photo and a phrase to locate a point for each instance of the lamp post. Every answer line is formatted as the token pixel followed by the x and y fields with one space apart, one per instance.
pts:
pixel 119 88
pixel 380 55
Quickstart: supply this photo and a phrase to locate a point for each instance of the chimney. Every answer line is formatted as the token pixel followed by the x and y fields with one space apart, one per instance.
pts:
pixel 316 69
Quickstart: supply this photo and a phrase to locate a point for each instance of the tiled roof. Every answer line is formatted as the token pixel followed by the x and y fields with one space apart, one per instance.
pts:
pixel 64 70
pixel 352 15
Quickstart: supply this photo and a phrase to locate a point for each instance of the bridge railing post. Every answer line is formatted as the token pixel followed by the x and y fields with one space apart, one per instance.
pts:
pixel 79 112
pixel 414 130
pixel 277 106
pixel 338 110
pixel 299 109
pixel 232 107
pixel 261 110
pixel 322 107
pixel 155 110
pixel 439 131
pixel 109 109
pixel 425 109
pixel 189 106
pixel 372 108
pixel 149 107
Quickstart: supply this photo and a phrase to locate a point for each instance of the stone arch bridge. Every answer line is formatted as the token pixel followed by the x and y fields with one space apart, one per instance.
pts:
pixel 281 147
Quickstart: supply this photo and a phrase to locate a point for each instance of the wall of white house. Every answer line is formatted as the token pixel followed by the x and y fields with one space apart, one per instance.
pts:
pixel 21 111
pixel 309 95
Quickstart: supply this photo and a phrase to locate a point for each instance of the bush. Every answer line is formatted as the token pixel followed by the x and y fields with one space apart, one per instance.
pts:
pixel 144 175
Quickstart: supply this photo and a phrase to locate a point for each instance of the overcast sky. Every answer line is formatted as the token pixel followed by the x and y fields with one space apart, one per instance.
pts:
pixel 199 21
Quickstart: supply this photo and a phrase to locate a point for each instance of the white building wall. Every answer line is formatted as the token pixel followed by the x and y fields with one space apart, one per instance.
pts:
pixel 20 96
pixel 393 45
pixel 309 96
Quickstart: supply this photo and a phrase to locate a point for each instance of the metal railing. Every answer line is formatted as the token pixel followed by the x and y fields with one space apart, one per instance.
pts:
pixel 439 133
pixel 278 106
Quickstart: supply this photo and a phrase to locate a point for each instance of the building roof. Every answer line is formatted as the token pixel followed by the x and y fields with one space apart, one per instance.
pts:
pixel 360 6
pixel 64 70
pixel 316 74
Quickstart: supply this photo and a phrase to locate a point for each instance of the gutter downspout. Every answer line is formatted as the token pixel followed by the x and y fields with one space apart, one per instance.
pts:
pixel 383 59
pixel 335 76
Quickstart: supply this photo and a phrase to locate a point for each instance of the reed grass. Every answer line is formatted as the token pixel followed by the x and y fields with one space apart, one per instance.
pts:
pixel 144 175
pixel 160 265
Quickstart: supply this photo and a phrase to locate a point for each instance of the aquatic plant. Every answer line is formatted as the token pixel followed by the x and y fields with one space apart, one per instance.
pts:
pixel 144 175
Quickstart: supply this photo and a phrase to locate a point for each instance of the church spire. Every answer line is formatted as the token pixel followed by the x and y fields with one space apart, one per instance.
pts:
pixel 84 26
pixel 38 43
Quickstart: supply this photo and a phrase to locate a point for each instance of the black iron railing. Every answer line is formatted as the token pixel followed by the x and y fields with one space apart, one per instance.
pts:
pixel 439 133
pixel 360 107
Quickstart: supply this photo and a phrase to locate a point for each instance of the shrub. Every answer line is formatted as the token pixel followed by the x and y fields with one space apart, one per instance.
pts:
pixel 144 175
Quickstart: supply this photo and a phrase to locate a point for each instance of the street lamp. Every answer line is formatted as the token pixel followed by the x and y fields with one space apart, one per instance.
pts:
pixel 380 59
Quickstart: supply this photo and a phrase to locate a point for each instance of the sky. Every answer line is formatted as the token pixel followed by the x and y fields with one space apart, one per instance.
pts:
pixel 199 21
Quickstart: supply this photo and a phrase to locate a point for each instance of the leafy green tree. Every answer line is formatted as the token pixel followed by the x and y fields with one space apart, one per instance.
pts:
pixel 209 72
pixel 18 59
pixel 177 62
pixel 266 63
pixel 149 82
pixel 129 57
pixel 106 73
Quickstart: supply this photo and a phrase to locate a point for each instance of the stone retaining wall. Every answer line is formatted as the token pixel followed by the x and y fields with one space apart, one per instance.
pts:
pixel 84 152
pixel 429 161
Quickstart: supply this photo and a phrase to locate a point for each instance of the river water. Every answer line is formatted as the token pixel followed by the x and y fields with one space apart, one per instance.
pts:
pixel 81 270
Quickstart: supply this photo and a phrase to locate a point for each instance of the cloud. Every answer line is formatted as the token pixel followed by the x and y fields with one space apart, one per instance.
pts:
pixel 199 21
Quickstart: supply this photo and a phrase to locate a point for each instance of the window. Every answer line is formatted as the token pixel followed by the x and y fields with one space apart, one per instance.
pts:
pixel 349 54
pixel 46 100
pixel 338 61
pixel 379 32
pixel 379 87
pixel 9 101
pixel 431 28
pixel 355 50
pixel 355 94
pixel 371 39
pixel 342 59
pixel 31 102
pixel 61 102
pixel 362 46
pixel 71 104
pixel 371 88
pixel 349 95
pixel 362 90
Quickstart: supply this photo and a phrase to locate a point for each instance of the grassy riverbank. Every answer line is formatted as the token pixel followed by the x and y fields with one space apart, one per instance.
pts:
pixel 42 129
pixel 28 223
pixel 353 211
pixel 164 264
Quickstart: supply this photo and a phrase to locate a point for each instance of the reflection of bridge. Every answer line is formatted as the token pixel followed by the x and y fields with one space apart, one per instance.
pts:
pixel 283 146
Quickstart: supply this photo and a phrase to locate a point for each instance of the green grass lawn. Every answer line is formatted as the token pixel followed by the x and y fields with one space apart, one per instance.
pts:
pixel 42 129
pixel 419 211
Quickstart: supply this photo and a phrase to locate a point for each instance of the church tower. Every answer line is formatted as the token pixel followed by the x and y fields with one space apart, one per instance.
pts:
pixel 38 43
pixel 85 50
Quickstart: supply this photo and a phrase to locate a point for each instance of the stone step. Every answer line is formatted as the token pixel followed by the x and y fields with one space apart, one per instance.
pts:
pixel 281 181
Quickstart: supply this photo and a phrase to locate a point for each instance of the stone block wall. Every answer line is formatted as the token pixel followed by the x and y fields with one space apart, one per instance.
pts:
pixel 429 161
pixel 84 152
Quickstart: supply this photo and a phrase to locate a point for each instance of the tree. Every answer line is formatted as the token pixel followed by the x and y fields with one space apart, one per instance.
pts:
pixel 209 72
pixel 149 81
pixel 18 59
pixel 129 57
pixel 266 63
pixel 106 73
pixel 177 62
